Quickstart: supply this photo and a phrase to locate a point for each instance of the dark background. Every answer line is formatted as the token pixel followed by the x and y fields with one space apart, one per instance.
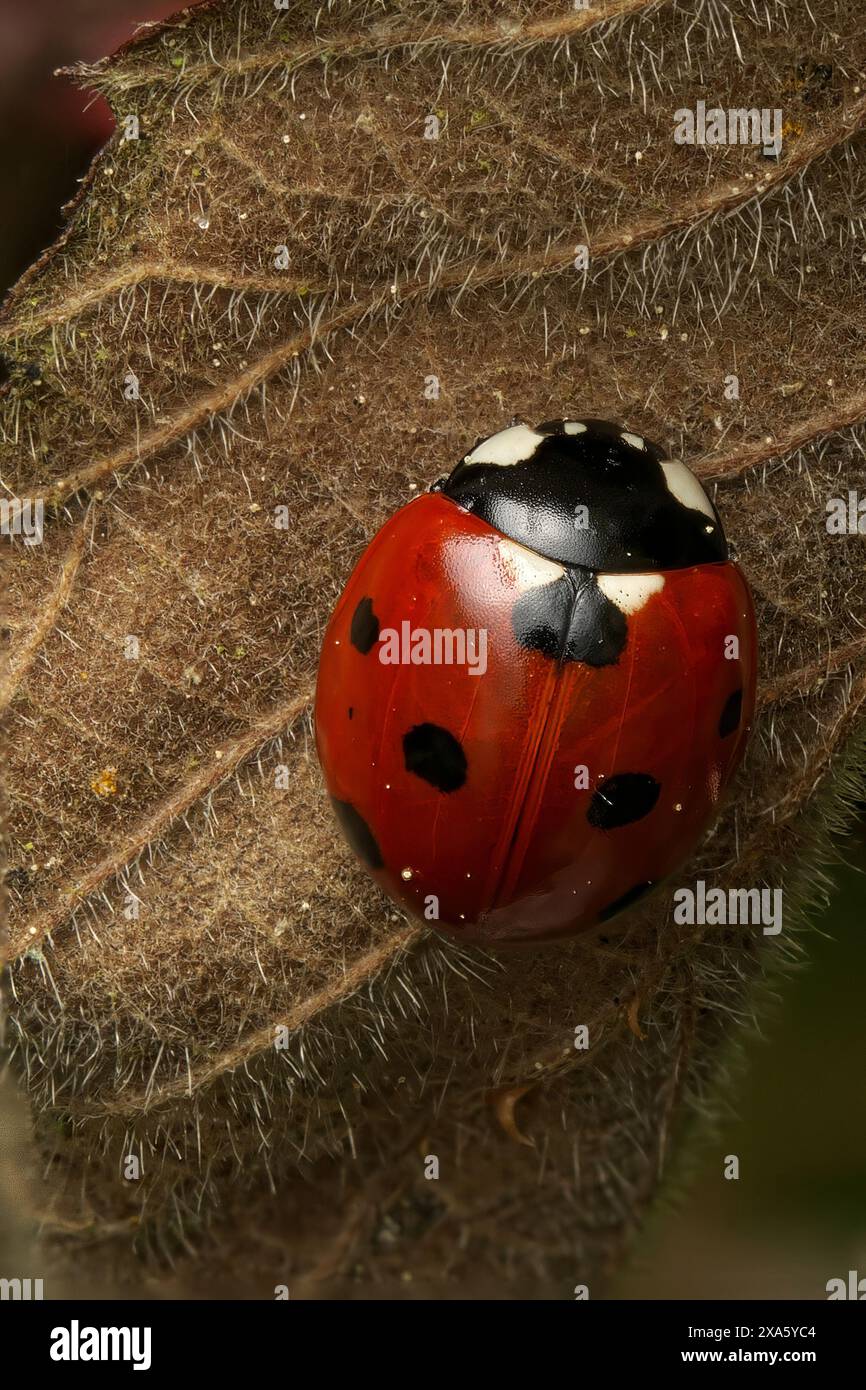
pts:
pixel 797 1215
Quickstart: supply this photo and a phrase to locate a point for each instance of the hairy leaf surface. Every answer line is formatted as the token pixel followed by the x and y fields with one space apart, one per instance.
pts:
pixel 245 313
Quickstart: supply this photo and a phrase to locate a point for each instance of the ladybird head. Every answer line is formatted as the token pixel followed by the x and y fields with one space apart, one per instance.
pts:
pixel 589 493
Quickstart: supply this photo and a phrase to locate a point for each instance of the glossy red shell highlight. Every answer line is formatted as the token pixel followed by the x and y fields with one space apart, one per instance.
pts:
pixel 516 851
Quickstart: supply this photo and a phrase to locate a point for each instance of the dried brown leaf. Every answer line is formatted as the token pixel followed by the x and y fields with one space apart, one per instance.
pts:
pixel 171 917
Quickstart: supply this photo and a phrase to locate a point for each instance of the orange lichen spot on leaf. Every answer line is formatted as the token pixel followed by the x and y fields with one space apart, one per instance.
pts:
pixel 106 783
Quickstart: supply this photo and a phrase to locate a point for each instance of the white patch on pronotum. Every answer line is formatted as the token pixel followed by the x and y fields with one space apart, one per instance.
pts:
pixel 573 427
pixel 526 569
pixel 635 440
pixel 514 445
pixel 686 489
pixel 630 591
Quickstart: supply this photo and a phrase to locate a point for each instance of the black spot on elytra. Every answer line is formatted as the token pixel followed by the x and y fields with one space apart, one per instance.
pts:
pixel 351 711
pixel 364 631
pixel 731 714
pixel 435 755
pixel 540 616
pixel 358 834
pixel 598 630
pixel 571 620
pixel 626 900
pixel 621 799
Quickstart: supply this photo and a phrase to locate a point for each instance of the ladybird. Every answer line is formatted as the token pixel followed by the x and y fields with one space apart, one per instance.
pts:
pixel 537 684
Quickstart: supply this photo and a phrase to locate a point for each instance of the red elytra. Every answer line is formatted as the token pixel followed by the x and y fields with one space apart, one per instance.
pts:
pixel 542 794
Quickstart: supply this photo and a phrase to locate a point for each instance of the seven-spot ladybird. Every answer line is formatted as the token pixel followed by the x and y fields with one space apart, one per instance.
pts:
pixel 537 684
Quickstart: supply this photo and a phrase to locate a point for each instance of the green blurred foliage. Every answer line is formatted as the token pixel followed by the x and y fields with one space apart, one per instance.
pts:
pixel 796 1216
